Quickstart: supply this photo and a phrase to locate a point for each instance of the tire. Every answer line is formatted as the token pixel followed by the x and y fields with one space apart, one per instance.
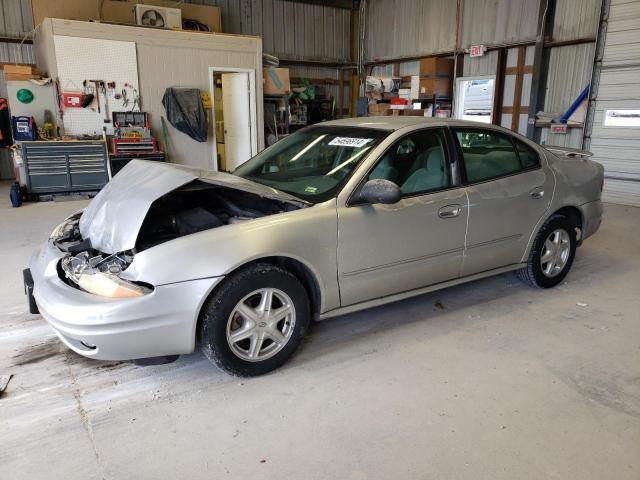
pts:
pixel 542 274
pixel 237 310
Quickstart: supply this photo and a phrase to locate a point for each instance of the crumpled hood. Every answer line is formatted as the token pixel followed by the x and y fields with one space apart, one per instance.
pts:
pixel 114 217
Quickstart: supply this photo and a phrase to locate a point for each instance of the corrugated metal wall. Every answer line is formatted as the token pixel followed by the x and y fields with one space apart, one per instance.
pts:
pixel 477 67
pixel 15 18
pixel 576 19
pixel 570 70
pixel 15 22
pixel 409 28
pixel 412 28
pixel 496 22
pixel 295 32
pixel 290 30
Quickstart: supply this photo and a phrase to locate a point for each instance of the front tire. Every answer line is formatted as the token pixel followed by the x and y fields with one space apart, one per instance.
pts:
pixel 552 253
pixel 255 321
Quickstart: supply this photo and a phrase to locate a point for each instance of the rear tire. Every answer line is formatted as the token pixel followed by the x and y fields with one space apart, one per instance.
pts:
pixel 255 320
pixel 552 253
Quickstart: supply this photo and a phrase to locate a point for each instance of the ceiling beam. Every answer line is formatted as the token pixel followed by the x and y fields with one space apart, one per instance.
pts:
pixel 346 4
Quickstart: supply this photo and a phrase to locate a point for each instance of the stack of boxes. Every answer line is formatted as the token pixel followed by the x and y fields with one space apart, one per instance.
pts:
pixel 435 80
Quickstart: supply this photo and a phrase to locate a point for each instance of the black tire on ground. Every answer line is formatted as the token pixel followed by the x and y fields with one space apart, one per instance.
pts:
pixel 533 273
pixel 218 308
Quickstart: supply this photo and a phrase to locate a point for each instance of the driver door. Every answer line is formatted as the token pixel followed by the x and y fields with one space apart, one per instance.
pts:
pixel 419 241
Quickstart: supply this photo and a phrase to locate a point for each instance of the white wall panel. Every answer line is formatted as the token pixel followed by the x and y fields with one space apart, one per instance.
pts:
pixel 173 59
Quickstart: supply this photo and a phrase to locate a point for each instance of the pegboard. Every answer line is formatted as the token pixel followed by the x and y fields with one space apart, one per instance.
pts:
pixel 81 59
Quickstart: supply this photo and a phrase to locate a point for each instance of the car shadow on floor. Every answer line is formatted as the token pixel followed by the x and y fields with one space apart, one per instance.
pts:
pixel 440 312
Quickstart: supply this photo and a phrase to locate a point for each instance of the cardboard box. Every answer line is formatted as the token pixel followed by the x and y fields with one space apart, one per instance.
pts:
pixel 20 76
pixel 20 72
pixel 413 113
pixel 119 11
pixel 276 81
pixel 435 86
pixel 436 67
pixel 378 109
pixel 436 77
pixel 20 69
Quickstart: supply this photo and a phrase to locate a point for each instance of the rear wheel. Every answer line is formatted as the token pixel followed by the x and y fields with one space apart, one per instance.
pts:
pixel 552 253
pixel 255 321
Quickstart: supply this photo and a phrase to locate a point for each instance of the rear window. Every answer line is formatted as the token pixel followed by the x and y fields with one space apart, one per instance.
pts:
pixel 528 156
pixel 487 154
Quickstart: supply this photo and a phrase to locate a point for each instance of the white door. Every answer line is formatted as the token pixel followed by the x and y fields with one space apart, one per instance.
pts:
pixel 237 118
pixel 474 99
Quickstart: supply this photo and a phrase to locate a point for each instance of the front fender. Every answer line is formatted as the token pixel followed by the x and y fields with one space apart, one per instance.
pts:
pixel 308 235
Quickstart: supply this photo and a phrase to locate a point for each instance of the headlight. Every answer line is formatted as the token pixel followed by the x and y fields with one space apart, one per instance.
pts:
pixel 103 283
pixel 109 285
pixel 66 227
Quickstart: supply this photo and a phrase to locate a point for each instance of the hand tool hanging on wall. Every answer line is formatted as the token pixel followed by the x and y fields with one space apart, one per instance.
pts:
pixel 59 99
pixel 125 100
pixel 89 96
pixel 96 84
pixel 107 117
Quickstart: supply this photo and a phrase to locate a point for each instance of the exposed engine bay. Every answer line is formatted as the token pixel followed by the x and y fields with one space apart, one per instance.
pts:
pixel 201 206
pixel 193 208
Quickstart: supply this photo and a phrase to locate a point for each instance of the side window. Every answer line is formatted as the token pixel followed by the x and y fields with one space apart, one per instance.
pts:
pixel 528 156
pixel 416 163
pixel 487 154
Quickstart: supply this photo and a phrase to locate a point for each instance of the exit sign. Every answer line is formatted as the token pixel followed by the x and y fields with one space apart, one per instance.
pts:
pixel 476 50
pixel 559 128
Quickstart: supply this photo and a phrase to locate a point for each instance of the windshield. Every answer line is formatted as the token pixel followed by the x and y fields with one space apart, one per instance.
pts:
pixel 313 163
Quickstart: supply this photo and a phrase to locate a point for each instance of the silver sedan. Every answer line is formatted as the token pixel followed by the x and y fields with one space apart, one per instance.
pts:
pixel 335 218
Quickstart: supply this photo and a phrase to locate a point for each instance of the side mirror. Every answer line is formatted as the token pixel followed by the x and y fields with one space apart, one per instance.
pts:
pixel 379 191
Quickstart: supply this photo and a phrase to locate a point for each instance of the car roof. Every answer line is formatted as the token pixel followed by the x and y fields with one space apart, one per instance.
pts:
pixel 391 123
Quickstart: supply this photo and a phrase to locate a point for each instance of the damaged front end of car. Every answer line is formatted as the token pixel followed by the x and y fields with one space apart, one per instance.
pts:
pixel 89 270
pixel 148 204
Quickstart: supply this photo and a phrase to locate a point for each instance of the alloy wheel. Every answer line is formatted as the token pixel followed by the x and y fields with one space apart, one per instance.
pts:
pixel 261 324
pixel 555 253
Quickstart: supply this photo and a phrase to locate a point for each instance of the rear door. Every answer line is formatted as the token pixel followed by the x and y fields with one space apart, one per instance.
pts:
pixel 509 187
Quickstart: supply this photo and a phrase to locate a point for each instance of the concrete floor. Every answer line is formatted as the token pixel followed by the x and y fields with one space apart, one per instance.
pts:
pixel 492 380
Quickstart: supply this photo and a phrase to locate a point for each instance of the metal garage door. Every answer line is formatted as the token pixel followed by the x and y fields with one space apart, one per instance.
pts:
pixel 615 138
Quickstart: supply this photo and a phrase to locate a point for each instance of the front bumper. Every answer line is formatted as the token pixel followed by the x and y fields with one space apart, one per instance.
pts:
pixel 160 323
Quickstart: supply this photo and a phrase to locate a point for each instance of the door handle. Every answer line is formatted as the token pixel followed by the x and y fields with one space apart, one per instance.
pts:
pixel 449 211
pixel 539 193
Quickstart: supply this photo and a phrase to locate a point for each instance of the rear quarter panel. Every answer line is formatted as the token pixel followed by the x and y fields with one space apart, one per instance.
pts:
pixel 578 181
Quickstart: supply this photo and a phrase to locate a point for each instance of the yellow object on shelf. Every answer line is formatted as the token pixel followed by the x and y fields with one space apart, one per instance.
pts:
pixel 206 99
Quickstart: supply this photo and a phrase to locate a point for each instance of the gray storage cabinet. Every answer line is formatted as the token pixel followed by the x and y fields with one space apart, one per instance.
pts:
pixel 65 166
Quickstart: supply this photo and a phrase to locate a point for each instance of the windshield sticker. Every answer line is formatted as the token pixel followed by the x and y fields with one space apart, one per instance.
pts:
pixel 311 189
pixel 350 142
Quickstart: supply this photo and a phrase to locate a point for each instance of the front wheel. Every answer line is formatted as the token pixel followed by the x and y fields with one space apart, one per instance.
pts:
pixel 552 253
pixel 255 321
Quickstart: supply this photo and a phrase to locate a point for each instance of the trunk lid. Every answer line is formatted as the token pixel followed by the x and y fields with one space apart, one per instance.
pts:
pixel 114 217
